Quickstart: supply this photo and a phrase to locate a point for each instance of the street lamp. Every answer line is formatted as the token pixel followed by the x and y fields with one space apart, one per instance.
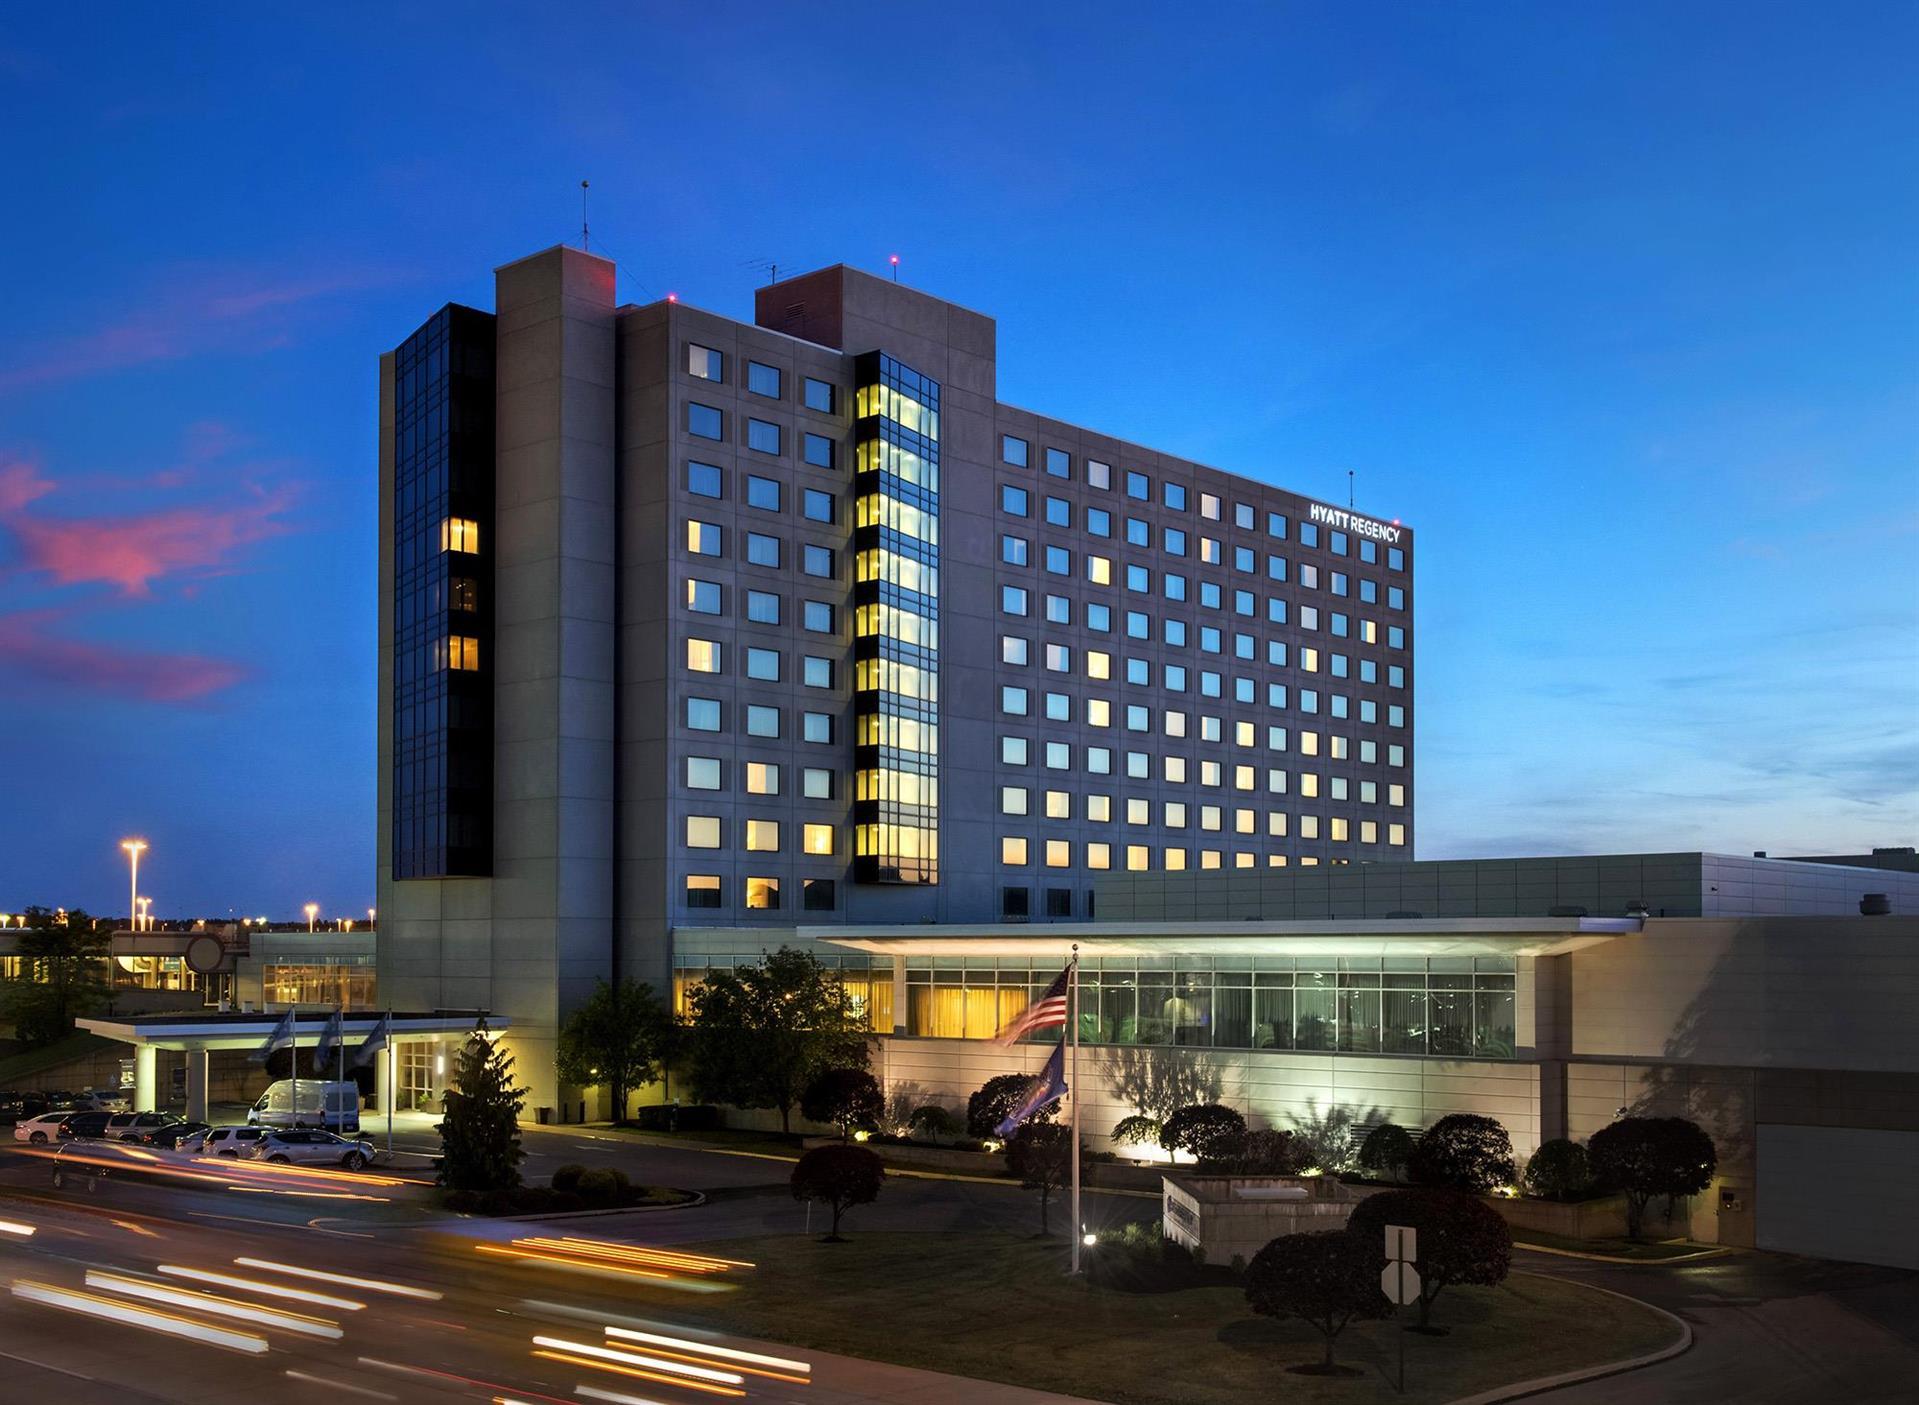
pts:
pixel 313 910
pixel 144 922
pixel 134 847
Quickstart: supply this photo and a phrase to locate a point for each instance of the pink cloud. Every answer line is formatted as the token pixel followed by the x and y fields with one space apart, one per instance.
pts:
pixel 20 484
pixel 27 647
pixel 133 551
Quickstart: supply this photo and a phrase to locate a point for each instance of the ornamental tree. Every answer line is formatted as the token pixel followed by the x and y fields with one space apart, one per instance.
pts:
pixel 480 1134
pixel 845 1097
pixel 619 1037
pixel 1040 1154
pixel 1559 1170
pixel 1647 1156
pixel 1464 1152
pixel 1386 1150
pixel 989 1106
pixel 1138 1130
pixel 1272 1152
pixel 1327 1280
pixel 841 1177
pixel 1212 1132
pixel 1461 1239
pixel 932 1121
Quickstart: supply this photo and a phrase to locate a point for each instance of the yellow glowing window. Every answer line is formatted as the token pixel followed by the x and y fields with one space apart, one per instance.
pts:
pixel 1012 851
pixel 1243 777
pixel 1309 826
pixel 1395 795
pixel 1139 811
pixel 1275 861
pixel 1138 857
pixel 1369 831
pixel 1059 853
pixel 1309 660
pixel 1309 784
pixel 1176 769
pixel 762 778
pixel 763 836
pixel 1339 828
pixel 817 839
pixel 1099 712
pixel 462 652
pixel 1209 858
pixel 1243 860
pixel 459 534
pixel 1098 665
pixel 1099 855
pixel 1244 734
pixel 1099 808
pixel 1309 743
pixel 1395 834
pixel 1276 823
pixel 702 656
pixel 1059 804
pixel 1308 861
pixel 702 831
pixel 1245 821
pixel 763 894
pixel 1099 570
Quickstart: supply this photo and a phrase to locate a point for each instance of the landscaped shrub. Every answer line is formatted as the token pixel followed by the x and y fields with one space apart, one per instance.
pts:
pixel 1386 1150
pixel 568 1177
pixel 1212 1132
pixel 1461 1239
pixel 1327 1280
pixel 1138 1130
pixel 602 1185
pixel 1271 1152
pixel 1559 1170
pixel 841 1176
pixel 1648 1156
pixel 1139 1258
pixel 933 1122
pixel 686 1117
pixel 848 1098
pixel 988 1107
pixel 1465 1152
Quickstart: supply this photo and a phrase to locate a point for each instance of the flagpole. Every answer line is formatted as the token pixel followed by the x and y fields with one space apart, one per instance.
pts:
pixel 1072 1149
pixel 392 1055
pixel 293 1033
pixel 356 1094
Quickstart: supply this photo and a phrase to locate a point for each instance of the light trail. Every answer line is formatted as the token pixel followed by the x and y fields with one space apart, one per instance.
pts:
pixel 569 1359
pixel 112 1310
pixel 23 1231
pixel 634 1358
pixel 799 1372
pixel 331 1384
pixel 373 1285
pixel 253 1285
pixel 613 1397
pixel 213 1305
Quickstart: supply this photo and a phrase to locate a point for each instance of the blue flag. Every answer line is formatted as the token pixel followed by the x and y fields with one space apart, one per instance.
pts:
pixel 376 1041
pixel 329 1038
pixel 1048 1086
pixel 281 1036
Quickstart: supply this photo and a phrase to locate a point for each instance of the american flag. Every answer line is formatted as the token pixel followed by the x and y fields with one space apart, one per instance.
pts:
pixel 1044 1013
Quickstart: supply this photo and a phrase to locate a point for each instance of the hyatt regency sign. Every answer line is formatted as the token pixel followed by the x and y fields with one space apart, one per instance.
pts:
pixel 1344 521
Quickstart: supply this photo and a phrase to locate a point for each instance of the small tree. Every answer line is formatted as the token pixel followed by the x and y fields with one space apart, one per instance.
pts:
pixel 480 1135
pixel 1212 1132
pixel 1465 1152
pixel 1559 1170
pixel 997 1097
pixel 1327 1280
pixel 934 1122
pixel 620 1038
pixel 1139 1130
pixel 1461 1239
pixel 64 974
pixel 841 1176
pixel 1271 1152
pixel 1040 1154
pixel 1648 1156
pixel 1386 1150
pixel 845 1097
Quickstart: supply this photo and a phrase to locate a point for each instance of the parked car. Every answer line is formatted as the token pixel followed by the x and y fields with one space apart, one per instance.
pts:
pixel 331 1105
pixel 38 1131
pixel 13 1107
pixel 224 1141
pixel 138 1126
pixel 85 1125
pixel 174 1133
pixel 104 1100
pixel 61 1102
pixel 312 1148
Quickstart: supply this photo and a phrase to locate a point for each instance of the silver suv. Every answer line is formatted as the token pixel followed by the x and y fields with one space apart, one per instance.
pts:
pixel 225 1141
pixel 311 1148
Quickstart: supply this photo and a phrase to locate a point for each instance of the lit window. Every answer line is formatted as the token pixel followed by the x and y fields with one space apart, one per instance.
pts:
pixel 462 653
pixel 1059 853
pixel 816 838
pixel 762 836
pixel 763 894
pixel 702 831
pixel 1099 809
pixel 704 363
pixel 1059 804
pixel 1138 858
pixel 1099 570
pixel 702 597
pixel 459 534
pixel 762 778
pixel 703 890
pixel 1012 851
pixel 702 538
pixel 702 656
pixel 1099 855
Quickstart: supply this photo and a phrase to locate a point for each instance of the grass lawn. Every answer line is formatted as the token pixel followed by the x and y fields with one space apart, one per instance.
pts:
pixel 997 1307
pixel 1649 1250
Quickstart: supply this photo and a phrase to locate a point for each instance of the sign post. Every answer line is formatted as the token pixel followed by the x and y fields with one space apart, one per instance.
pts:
pixel 1400 1280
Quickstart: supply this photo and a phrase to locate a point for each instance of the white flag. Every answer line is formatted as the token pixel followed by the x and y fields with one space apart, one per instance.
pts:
pixel 330 1038
pixel 281 1036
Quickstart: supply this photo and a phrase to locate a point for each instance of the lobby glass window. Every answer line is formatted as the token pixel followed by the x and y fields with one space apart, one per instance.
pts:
pixel 762 721
pixel 1139 486
pixel 817 560
pixel 702 597
pixel 1012 501
pixel 1098 474
pixel 1059 463
pixel 817 506
pixel 702 831
pixel 763 493
pixel 762 607
pixel 818 617
pixel 762 550
pixel 762 379
pixel 762 436
pixel 702 479
pixel 1013 450
pixel 821 395
pixel 816 672
pixel 763 664
pixel 818 450
pixel 704 363
pixel 703 890
pixel 762 894
pixel 704 421
pixel 818 895
pixel 702 773
pixel 703 714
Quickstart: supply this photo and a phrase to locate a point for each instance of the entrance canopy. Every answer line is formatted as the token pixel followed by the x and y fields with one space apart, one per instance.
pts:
pixel 248 1030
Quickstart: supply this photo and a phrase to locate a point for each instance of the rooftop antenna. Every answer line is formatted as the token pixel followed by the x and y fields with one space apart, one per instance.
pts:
pixel 583 243
pixel 895 261
pixel 1349 490
pixel 772 268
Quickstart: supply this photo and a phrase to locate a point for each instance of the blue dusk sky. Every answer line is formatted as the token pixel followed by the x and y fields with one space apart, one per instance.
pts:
pixel 1617 305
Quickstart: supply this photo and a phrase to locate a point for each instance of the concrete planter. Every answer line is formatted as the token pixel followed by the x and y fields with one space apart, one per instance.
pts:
pixel 1228 1217
pixel 1579 1219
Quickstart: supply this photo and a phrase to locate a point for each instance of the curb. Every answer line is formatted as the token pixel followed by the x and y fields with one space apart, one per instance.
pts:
pixel 1540 1384
pixel 699 1198
pixel 1717 1251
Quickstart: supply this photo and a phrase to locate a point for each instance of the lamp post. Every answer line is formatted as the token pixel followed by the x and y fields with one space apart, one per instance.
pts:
pixel 133 848
pixel 144 923
pixel 313 911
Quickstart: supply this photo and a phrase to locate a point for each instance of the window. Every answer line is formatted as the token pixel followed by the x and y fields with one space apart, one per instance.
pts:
pixel 703 890
pixel 463 594
pixel 816 727
pixel 1012 701
pixel 702 479
pixel 1059 463
pixel 763 664
pixel 460 534
pixel 816 783
pixel 1059 901
pixel 703 714
pixel 1209 506
pixel 1013 550
pixel 702 656
pixel 763 380
pixel 1099 522
pixel 817 561
pixel 762 607
pixel 816 839
pixel 702 538
pixel 704 363
pixel 763 836
pixel 1012 851
pixel 817 450
pixel 1059 561
pixel 1012 600
pixel 702 831
pixel 1012 650
pixel 1099 475
pixel 462 653
pixel 817 506
pixel 762 721
pixel 1013 902
pixel 763 493
pixel 702 597
pixel 1012 800
pixel 1012 751
pixel 1059 512
pixel 817 894
pixel 1012 501
pixel 702 773
pixel 762 550
pixel 762 436
pixel 1173 495
pixel 816 672
pixel 1139 486
pixel 703 421
pixel 763 894
pixel 821 396
pixel 1012 450
pixel 817 617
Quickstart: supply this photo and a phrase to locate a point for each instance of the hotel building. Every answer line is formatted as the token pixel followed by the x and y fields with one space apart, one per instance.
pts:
pixel 689 622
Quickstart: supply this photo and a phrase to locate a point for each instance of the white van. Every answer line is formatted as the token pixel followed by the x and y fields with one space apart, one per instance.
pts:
pixel 332 1105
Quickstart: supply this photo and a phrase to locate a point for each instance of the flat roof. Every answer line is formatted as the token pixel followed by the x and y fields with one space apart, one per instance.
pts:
pixel 245 1029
